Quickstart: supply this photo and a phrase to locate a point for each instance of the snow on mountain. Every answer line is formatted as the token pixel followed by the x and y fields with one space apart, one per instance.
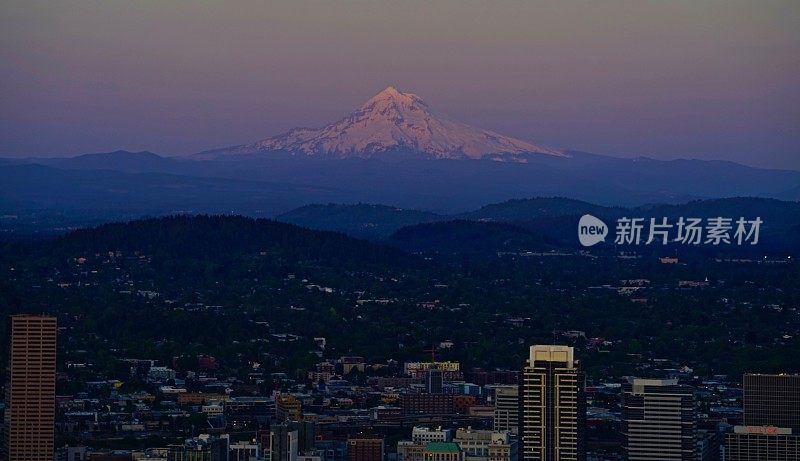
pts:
pixel 395 121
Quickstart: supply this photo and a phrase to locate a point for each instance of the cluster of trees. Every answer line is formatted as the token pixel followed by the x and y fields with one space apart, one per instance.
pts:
pixel 230 286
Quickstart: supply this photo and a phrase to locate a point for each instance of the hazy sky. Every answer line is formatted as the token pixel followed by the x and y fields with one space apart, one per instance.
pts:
pixel 668 78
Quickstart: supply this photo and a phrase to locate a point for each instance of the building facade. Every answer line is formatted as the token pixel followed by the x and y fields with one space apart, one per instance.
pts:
pixel 772 400
pixel 761 443
pixel 434 380
pixel 506 408
pixel 365 449
pixel 484 445
pixel 426 404
pixel 553 406
pixel 408 450
pixel 659 422
pixel 771 417
pixel 451 371
pixel 31 389
pixel 201 448
pixel 423 435
pixel 288 408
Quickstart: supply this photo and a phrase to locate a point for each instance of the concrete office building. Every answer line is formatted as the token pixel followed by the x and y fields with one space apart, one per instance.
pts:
pixel 506 408
pixel 553 406
pixel 658 420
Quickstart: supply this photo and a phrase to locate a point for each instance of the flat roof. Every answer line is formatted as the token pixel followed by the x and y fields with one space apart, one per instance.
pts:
pixel 443 447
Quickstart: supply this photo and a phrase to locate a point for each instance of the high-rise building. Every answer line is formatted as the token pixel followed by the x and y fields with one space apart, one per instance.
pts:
pixel 553 406
pixel 772 420
pixel 506 408
pixel 772 400
pixel 31 389
pixel 658 420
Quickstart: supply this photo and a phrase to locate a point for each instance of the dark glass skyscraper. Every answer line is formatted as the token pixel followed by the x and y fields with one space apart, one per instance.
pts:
pixel 772 400
pixel 772 420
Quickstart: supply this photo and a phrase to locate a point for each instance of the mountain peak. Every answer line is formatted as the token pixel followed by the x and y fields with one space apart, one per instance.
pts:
pixel 390 91
pixel 391 97
pixel 397 121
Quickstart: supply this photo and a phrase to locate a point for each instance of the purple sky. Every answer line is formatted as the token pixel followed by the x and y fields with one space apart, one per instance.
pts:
pixel 666 79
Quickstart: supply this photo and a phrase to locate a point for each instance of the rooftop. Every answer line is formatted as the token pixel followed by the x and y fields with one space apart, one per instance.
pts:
pixel 442 447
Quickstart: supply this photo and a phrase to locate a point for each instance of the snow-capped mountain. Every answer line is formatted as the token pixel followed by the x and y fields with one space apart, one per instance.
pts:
pixel 394 121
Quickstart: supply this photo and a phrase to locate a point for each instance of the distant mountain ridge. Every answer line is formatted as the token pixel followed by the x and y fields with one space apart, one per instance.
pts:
pixel 378 221
pixel 227 241
pixel 117 160
pixel 544 224
pixel 527 209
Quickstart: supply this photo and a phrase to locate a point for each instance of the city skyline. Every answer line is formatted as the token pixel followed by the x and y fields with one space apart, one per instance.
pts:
pixel 660 418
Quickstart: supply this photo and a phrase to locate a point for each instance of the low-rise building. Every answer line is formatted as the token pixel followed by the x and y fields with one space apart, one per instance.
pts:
pixel 442 451
pixel 484 445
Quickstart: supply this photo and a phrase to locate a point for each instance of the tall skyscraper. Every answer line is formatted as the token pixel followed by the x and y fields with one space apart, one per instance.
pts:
pixel 31 389
pixel 772 420
pixel 506 408
pixel 553 406
pixel 772 400
pixel 658 420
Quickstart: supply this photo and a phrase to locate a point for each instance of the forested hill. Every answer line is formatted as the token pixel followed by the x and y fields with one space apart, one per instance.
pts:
pixel 218 239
